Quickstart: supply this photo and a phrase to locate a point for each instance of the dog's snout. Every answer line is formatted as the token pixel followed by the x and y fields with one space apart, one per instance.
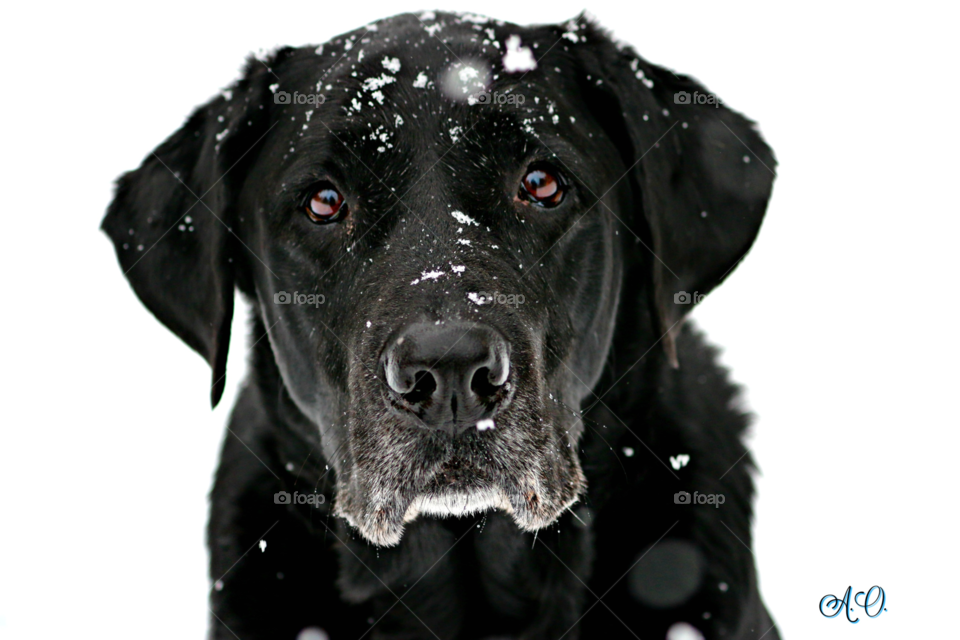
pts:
pixel 450 375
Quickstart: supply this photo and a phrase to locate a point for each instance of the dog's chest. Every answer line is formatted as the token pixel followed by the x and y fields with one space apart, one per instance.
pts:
pixel 504 570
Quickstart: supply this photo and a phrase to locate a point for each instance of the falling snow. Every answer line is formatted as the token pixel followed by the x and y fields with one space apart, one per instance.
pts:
pixel 486 424
pixel 391 64
pixel 378 82
pixel 683 631
pixel 518 59
pixel 463 218
pixel 421 81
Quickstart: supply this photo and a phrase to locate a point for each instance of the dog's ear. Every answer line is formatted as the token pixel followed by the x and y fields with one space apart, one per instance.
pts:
pixel 701 172
pixel 171 220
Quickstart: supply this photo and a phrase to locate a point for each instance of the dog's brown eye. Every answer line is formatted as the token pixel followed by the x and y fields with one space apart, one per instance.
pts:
pixel 326 204
pixel 543 186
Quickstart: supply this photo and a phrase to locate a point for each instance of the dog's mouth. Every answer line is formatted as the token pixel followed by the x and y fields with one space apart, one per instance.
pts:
pixel 459 489
pixel 518 476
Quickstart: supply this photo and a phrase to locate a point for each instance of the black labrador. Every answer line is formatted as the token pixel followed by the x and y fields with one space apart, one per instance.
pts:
pixel 473 408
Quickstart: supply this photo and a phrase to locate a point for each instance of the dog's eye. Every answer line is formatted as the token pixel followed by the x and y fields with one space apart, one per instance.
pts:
pixel 542 185
pixel 326 204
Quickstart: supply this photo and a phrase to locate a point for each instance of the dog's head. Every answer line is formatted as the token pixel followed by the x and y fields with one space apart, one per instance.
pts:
pixel 436 218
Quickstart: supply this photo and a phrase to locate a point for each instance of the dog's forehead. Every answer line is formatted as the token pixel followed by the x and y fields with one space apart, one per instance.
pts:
pixel 432 39
pixel 391 99
pixel 425 67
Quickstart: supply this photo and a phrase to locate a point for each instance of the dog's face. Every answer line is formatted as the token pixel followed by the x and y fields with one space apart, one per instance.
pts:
pixel 437 219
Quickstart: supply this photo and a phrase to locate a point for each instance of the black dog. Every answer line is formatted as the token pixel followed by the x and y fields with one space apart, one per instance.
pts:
pixel 472 412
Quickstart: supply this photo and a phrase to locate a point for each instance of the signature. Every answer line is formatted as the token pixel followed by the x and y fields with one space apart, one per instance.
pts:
pixel 873 600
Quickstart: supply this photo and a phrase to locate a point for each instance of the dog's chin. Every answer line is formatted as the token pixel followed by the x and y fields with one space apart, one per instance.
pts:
pixel 527 468
pixel 530 505
pixel 458 504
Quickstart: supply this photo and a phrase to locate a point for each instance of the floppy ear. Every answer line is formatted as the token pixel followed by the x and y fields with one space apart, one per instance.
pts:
pixel 702 172
pixel 171 219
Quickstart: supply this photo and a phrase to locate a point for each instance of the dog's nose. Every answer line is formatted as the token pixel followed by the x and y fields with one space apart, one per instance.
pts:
pixel 452 375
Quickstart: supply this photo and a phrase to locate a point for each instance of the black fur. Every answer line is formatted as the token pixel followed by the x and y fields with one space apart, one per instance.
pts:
pixel 587 540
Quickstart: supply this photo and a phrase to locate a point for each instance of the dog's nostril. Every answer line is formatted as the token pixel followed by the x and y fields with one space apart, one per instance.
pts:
pixel 481 383
pixel 424 384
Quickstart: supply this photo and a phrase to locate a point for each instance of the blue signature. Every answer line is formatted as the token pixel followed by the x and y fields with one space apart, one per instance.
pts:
pixel 874 599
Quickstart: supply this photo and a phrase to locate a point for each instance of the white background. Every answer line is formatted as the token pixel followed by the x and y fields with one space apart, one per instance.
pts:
pixel 842 322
